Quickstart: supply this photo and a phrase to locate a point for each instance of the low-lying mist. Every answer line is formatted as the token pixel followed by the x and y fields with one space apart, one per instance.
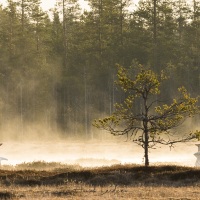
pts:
pixel 38 143
pixel 93 153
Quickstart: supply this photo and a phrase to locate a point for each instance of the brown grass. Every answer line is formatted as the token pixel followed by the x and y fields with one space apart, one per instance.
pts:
pixel 115 182
pixel 78 191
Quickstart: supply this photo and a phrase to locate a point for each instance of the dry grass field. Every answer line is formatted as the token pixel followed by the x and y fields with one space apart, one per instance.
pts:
pixel 80 192
pixel 54 181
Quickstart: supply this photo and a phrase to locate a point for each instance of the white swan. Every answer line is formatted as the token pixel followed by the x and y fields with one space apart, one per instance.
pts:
pixel 1 158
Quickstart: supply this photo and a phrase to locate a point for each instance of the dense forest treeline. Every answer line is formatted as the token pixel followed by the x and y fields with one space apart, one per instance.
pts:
pixel 58 68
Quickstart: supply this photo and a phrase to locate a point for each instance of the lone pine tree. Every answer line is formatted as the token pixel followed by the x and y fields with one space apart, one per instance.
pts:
pixel 154 122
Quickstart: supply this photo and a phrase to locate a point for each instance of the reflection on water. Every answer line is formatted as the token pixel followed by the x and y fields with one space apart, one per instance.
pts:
pixel 94 153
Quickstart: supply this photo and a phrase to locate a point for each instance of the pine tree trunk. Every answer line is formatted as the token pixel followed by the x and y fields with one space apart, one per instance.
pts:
pixel 146 131
pixel 155 33
pixel 100 31
pixel 22 18
pixel 64 35
pixel 86 103
pixel 146 149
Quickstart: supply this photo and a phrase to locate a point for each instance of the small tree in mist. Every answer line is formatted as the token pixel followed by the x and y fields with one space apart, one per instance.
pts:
pixel 155 121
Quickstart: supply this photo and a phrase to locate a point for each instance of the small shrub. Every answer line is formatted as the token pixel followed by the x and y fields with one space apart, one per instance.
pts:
pixel 6 195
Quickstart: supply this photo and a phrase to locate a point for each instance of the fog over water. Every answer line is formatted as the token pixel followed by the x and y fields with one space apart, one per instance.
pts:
pixel 94 153
pixel 38 143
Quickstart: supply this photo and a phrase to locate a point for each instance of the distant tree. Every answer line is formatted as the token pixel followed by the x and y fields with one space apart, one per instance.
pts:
pixel 38 20
pixel 154 123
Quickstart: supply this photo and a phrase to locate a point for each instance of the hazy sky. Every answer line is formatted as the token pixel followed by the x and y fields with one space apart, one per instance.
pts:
pixel 50 3
pixel 47 4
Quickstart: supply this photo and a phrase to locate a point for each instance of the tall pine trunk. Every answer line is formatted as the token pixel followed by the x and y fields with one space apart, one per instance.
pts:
pixel 155 59
pixel 146 130
pixel 146 148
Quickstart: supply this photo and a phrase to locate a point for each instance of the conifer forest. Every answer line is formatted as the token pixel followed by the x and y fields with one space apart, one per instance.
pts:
pixel 58 67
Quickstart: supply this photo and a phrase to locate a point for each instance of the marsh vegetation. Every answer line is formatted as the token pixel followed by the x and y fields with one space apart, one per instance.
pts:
pixel 58 181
